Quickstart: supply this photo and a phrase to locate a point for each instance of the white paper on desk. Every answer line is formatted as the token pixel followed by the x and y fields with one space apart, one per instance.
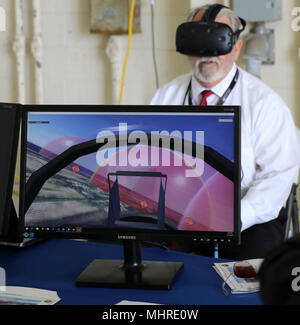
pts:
pixel 129 302
pixel 238 285
pixel 27 296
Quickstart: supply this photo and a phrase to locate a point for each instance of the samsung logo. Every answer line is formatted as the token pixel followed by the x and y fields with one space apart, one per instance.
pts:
pixel 126 237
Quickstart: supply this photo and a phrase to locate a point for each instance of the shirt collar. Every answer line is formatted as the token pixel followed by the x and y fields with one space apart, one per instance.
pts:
pixel 219 89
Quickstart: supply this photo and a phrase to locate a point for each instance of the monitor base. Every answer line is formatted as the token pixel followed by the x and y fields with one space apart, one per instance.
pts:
pixel 113 274
pixel 131 272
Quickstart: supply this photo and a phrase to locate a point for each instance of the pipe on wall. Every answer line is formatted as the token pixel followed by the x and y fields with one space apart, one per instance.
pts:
pixel 115 53
pixel 37 51
pixel 19 50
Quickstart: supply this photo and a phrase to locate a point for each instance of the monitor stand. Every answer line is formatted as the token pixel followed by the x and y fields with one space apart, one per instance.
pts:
pixel 130 272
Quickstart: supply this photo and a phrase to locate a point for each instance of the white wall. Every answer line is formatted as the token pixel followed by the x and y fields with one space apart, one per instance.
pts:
pixel 168 15
pixel 284 76
pixel 7 69
pixel 76 69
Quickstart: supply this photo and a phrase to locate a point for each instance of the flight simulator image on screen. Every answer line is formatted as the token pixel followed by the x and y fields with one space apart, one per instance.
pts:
pixel 149 170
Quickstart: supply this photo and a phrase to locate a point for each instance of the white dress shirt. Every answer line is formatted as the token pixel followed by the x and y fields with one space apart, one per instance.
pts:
pixel 269 157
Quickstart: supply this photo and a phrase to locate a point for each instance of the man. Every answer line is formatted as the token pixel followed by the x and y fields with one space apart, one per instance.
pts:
pixel 269 156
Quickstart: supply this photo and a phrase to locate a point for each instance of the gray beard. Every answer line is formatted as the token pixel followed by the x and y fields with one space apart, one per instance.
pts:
pixel 202 76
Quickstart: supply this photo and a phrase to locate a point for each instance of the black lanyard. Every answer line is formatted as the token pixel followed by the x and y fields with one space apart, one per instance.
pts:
pixel 222 100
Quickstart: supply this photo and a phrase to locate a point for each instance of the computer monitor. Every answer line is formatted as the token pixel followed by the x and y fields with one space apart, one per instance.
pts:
pixel 10 227
pixel 132 173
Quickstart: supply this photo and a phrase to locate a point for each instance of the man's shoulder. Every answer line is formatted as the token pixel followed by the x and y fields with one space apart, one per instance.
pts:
pixel 256 85
pixel 262 99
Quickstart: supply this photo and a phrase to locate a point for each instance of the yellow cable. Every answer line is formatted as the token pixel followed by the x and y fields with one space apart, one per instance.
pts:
pixel 130 26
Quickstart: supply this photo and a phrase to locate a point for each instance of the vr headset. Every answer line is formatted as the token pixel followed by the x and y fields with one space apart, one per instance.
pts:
pixel 207 37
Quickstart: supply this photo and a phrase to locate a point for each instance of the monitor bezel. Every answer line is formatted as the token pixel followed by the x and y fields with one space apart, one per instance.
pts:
pixel 115 234
pixel 10 216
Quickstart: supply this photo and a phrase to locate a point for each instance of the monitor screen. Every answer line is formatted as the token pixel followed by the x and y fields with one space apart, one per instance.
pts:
pixel 132 171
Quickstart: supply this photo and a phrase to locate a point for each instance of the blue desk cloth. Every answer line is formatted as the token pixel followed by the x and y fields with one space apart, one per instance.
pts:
pixel 55 264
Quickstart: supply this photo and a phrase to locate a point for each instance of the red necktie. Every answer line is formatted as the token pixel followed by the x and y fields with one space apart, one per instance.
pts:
pixel 205 94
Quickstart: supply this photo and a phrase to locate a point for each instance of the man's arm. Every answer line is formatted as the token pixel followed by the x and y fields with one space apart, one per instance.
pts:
pixel 276 153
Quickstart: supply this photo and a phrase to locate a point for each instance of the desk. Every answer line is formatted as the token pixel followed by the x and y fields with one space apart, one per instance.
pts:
pixel 55 264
